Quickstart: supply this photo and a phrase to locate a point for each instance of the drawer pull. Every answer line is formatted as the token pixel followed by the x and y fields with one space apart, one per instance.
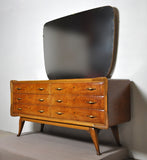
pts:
pixel 59 101
pixel 59 89
pixel 90 102
pixel 91 89
pixel 18 88
pixel 59 113
pixel 41 100
pixel 41 111
pixel 91 116
pixel 41 89
pixel 19 98
pixel 19 109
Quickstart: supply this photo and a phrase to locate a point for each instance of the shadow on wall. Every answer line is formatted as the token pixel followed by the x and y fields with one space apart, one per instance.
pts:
pixel 133 134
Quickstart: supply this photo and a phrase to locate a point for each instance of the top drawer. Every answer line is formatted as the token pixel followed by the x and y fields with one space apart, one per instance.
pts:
pixel 35 88
pixel 85 88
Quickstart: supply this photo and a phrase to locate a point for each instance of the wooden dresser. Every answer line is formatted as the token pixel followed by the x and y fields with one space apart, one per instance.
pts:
pixel 87 104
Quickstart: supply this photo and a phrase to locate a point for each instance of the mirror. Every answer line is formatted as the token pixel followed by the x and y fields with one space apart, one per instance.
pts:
pixel 81 45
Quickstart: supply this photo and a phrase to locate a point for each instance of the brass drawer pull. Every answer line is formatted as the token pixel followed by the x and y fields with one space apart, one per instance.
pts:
pixel 41 89
pixel 59 89
pixel 19 108
pixel 59 113
pixel 91 89
pixel 91 116
pixel 90 102
pixel 41 111
pixel 18 88
pixel 41 100
pixel 59 101
pixel 19 98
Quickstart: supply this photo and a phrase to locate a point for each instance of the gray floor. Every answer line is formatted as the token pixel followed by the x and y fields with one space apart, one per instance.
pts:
pixel 44 146
pixel 4 133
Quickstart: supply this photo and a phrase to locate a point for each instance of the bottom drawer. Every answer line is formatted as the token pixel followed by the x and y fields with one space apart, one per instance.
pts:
pixel 32 110
pixel 78 114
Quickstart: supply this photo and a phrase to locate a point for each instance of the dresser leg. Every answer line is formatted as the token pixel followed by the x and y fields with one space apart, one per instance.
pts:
pixel 42 127
pixel 116 134
pixel 21 124
pixel 94 136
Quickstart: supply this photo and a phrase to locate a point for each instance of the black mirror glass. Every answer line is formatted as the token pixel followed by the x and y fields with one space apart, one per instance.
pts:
pixel 81 45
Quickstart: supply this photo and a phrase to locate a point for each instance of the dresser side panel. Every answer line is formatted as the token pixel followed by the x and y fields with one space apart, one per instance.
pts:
pixel 12 110
pixel 118 101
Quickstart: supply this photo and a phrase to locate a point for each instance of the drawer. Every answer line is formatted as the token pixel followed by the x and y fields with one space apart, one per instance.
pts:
pixel 36 88
pixel 31 99
pixel 90 115
pixel 32 110
pixel 96 102
pixel 88 88
pixel 87 115
pixel 62 113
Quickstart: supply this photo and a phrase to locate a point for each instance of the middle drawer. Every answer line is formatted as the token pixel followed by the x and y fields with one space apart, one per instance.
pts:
pixel 95 102
pixel 31 99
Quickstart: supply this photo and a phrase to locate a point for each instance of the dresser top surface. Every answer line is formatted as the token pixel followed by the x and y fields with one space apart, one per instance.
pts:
pixel 97 79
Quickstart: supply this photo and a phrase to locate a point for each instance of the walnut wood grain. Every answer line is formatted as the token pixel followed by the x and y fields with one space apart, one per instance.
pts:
pixel 65 121
pixel 86 88
pixel 39 99
pixel 94 136
pixel 32 110
pixel 36 88
pixel 82 101
pixel 86 115
pixel 21 124
pixel 24 118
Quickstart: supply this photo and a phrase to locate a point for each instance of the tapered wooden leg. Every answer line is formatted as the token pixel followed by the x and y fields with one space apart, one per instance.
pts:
pixel 42 127
pixel 94 136
pixel 21 124
pixel 116 134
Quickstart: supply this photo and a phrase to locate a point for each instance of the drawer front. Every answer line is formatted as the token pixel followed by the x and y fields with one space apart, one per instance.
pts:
pixel 62 113
pixel 32 110
pixel 31 99
pixel 96 102
pixel 36 88
pixel 87 115
pixel 88 88
pixel 90 115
